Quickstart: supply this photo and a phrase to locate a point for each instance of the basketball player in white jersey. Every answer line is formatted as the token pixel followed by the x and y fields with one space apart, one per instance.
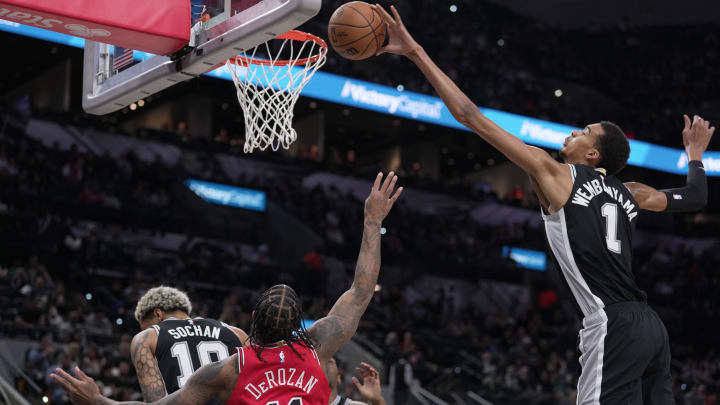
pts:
pixel 589 217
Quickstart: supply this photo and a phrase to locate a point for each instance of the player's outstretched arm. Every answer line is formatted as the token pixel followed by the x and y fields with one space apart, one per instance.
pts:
pixel 142 353
pixel 338 327
pixel 214 381
pixel 692 197
pixel 533 160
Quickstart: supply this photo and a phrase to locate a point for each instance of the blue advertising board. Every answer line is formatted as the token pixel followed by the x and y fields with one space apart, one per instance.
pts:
pixel 228 195
pixel 526 258
pixel 429 109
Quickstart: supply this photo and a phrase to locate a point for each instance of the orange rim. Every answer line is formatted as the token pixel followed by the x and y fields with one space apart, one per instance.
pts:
pixel 293 35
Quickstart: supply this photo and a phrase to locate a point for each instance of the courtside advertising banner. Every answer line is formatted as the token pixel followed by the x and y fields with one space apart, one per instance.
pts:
pixel 429 109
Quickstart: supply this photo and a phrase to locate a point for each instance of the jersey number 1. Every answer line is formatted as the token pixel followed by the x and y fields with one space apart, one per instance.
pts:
pixel 181 351
pixel 610 212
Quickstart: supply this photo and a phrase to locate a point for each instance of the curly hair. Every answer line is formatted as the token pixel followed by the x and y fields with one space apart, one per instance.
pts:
pixel 166 298
pixel 614 148
pixel 278 317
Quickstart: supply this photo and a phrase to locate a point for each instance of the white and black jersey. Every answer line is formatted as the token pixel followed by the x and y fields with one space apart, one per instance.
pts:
pixel 590 239
pixel 625 352
pixel 184 345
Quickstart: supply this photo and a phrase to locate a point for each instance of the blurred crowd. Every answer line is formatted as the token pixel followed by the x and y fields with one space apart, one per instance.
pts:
pixel 85 235
pixel 642 77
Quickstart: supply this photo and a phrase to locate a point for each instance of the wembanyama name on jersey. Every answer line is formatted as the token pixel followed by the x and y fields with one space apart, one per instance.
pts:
pixel 592 188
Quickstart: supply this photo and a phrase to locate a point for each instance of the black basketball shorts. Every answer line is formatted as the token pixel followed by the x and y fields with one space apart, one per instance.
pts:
pixel 625 357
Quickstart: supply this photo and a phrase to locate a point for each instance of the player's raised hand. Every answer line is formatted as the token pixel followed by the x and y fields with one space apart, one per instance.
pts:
pixel 696 136
pixel 400 42
pixel 370 389
pixel 81 390
pixel 381 198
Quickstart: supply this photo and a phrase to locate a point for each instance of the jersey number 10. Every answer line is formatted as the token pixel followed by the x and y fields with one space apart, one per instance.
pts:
pixel 181 351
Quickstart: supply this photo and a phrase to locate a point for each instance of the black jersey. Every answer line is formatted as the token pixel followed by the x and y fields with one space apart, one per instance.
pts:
pixel 184 345
pixel 590 239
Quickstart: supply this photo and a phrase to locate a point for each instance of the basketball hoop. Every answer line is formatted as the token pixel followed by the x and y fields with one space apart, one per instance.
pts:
pixel 268 88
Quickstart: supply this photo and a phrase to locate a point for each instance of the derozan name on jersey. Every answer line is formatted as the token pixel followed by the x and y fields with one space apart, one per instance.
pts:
pixel 593 188
pixel 195 330
pixel 280 377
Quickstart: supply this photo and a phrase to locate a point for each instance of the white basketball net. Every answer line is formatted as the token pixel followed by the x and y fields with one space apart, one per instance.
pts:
pixel 268 92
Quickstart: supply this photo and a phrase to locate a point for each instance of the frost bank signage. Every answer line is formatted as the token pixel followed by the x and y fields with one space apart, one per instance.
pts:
pixel 421 107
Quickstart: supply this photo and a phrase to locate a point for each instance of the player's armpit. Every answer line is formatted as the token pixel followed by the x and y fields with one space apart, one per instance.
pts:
pixel 146 366
pixel 647 197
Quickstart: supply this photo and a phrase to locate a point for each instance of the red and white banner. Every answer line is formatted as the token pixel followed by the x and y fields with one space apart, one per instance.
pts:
pixel 159 26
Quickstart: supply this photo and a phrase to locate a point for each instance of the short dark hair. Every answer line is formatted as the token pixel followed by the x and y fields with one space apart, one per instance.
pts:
pixel 278 317
pixel 614 148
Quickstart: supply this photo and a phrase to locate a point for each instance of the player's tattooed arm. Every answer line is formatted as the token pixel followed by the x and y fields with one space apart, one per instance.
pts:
pixel 146 366
pixel 333 331
pixel 214 381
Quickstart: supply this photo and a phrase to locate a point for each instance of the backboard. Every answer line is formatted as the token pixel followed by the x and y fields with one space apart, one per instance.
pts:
pixel 221 29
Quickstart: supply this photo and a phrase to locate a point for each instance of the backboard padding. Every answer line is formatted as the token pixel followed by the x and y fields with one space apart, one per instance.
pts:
pixel 105 91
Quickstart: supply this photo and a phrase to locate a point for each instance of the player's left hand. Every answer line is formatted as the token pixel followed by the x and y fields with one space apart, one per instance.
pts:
pixel 370 389
pixel 696 136
pixel 381 198
pixel 82 390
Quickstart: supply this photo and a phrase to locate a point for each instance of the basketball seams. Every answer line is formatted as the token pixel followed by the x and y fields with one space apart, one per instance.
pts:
pixel 369 24
pixel 352 42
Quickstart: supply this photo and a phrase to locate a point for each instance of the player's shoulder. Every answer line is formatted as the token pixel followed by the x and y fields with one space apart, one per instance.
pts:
pixel 147 337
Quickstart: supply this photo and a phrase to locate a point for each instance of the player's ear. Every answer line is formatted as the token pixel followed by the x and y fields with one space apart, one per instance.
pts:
pixel 592 155
pixel 252 315
pixel 159 314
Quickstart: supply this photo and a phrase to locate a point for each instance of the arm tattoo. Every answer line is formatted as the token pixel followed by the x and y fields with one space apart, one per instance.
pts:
pixel 341 323
pixel 213 381
pixel 148 373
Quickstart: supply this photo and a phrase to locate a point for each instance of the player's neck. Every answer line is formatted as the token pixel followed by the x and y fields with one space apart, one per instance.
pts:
pixel 177 315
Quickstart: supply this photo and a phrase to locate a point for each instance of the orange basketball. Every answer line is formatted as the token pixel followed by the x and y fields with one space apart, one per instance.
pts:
pixel 356 31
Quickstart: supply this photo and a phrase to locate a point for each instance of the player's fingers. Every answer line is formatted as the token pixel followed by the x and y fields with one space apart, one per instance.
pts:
pixel 712 131
pixel 81 375
pixel 63 383
pixel 66 376
pixel 378 179
pixel 387 181
pixel 397 194
pixel 391 187
pixel 364 373
pixel 384 14
pixel 357 383
pixel 687 122
pixel 398 19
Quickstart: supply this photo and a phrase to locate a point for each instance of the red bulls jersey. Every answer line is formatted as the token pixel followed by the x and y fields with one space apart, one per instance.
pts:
pixel 280 378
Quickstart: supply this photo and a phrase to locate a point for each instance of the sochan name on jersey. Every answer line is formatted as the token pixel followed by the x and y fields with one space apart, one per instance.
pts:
pixel 593 188
pixel 195 330
pixel 392 103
